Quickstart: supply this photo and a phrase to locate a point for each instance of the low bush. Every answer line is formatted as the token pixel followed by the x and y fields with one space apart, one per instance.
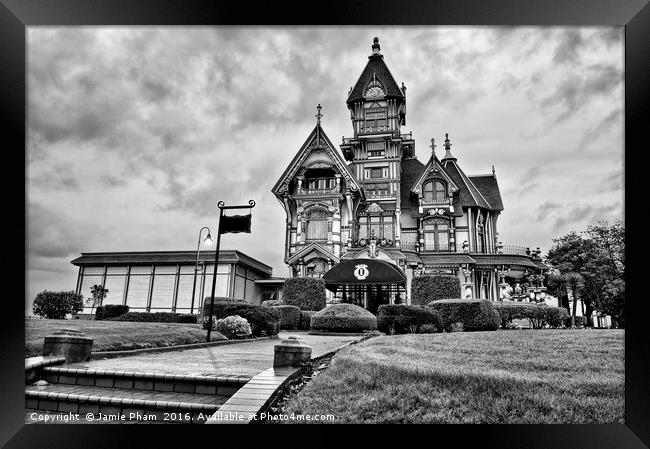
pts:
pixel 156 317
pixel 343 318
pixel 306 293
pixel 218 301
pixel 539 314
pixel 400 318
pixel 425 289
pixel 289 316
pixel 56 305
pixel 580 321
pixel 233 326
pixel 110 311
pixel 305 319
pixel 272 302
pixel 475 314
pixel 429 329
pixel 263 322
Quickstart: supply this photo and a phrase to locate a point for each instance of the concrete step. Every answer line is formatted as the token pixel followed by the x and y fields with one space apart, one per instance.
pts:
pixel 225 385
pixel 131 403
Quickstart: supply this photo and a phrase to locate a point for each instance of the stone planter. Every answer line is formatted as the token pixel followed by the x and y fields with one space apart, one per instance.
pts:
pixel 291 352
pixel 72 344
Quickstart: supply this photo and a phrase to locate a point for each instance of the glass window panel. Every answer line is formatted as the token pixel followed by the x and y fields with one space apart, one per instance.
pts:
pixel 163 291
pixel 87 282
pixel 184 298
pixel 443 240
pixel 116 270
pixel 440 191
pixel 166 269
pixel 388 230
pixel 138 291
pixel 115 286
pixel 376 228
pixel 317 229
pixel 240 270
pixel 363 231
pixel 187 269
pixel 93 270
pixel 429 240
pixel 140 269
pixel 251 291
pixel 239 287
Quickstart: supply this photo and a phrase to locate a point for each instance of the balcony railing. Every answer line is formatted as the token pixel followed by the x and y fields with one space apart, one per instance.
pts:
pixel 413 245
pixel 331 191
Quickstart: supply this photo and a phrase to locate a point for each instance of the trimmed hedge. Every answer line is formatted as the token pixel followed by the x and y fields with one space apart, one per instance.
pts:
pixel 404 319
pixel 157 317
pixel 289 316
pixel 272 303
pixel 425 289
pixel 110 311
pixel 220 300
pixel 475 314
pixel 306 293
pixel 305 319
pixel 538 314
pixel 343 318
pixel 262 320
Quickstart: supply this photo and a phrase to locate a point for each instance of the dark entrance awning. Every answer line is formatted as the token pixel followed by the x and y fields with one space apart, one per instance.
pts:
pixel 363 272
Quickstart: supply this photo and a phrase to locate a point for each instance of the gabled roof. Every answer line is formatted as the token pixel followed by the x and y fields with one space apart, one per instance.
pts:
pixel 489 188
pixel 469 194
pixel 313 247
pixel 433 163
pixel 317 140
pixel 376 67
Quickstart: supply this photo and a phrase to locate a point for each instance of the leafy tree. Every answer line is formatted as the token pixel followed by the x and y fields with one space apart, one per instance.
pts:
pixel 99 293
pixel 55 305
pixel 598 256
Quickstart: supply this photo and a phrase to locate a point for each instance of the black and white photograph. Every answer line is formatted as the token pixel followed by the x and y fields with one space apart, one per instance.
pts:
pixel 325 224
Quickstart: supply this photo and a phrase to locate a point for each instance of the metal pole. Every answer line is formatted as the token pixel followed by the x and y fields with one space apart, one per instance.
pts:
pixel 196 265
pixel 214 274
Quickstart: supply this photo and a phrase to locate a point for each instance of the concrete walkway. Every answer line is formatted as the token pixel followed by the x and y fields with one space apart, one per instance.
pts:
pixel 250 358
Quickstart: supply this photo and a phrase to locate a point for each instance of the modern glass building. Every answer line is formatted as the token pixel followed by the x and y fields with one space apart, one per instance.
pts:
pixel 165 281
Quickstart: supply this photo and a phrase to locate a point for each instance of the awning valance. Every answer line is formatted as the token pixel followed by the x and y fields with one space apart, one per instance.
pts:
pixel 363 272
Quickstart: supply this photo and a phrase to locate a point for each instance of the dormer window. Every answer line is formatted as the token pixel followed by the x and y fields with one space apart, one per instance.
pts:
pixel 434 191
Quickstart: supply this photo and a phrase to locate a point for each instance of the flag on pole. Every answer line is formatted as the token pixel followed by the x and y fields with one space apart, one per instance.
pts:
pixel 235 224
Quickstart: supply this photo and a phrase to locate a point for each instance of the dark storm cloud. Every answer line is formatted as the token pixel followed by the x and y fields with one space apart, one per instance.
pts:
pixel 600 80
pixel 578 214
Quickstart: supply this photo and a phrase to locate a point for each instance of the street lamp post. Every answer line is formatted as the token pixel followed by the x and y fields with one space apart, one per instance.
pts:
pixel 208 240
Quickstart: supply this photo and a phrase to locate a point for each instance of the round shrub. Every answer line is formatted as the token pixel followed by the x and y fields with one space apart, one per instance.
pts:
pixel 56 305
pixel 425 289
pixel 475 314
pixel 538 314
pixel 233 326
pixel 306 293
pixel 263 322
pixel 429 329
pixel 343 318
pixel 305 319
pixel 456 327
pixel 272 303
pixel 404 319
pixel 289 316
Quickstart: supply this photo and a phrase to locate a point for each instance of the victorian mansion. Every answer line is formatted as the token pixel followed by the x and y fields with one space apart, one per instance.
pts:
pixel 376 200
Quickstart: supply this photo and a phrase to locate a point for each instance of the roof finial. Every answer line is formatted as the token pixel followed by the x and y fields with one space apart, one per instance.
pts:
pixel 375 46
pixel 318 114
pixel 494 173
pixel 433 148
pixel 448 154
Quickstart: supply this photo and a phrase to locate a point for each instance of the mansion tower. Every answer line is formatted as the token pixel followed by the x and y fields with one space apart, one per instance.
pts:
pixel 376 200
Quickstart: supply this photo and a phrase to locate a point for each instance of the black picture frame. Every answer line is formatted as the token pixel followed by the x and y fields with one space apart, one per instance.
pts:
pixel 15 15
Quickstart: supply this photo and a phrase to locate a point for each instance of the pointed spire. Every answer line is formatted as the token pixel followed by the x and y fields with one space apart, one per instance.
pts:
pixel 448 154
pixel 433 149
pixel 494 173
pixel 318 114
pixel 375 46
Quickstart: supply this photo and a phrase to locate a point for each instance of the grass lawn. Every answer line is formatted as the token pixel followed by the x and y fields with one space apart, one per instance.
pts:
pixel 116 335
pixel 535 376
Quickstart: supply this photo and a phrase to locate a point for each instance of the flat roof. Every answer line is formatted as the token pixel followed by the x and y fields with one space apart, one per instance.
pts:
pixel 169 258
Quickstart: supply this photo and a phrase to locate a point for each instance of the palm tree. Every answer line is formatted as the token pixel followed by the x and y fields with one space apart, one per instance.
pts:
pixel 574 282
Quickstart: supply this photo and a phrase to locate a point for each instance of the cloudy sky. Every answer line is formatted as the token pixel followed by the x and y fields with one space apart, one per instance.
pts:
pixel 135 133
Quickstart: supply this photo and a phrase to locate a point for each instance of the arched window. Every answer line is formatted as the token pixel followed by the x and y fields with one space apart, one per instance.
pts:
pixel 317 225
pixel 436 235
pixel 434 191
